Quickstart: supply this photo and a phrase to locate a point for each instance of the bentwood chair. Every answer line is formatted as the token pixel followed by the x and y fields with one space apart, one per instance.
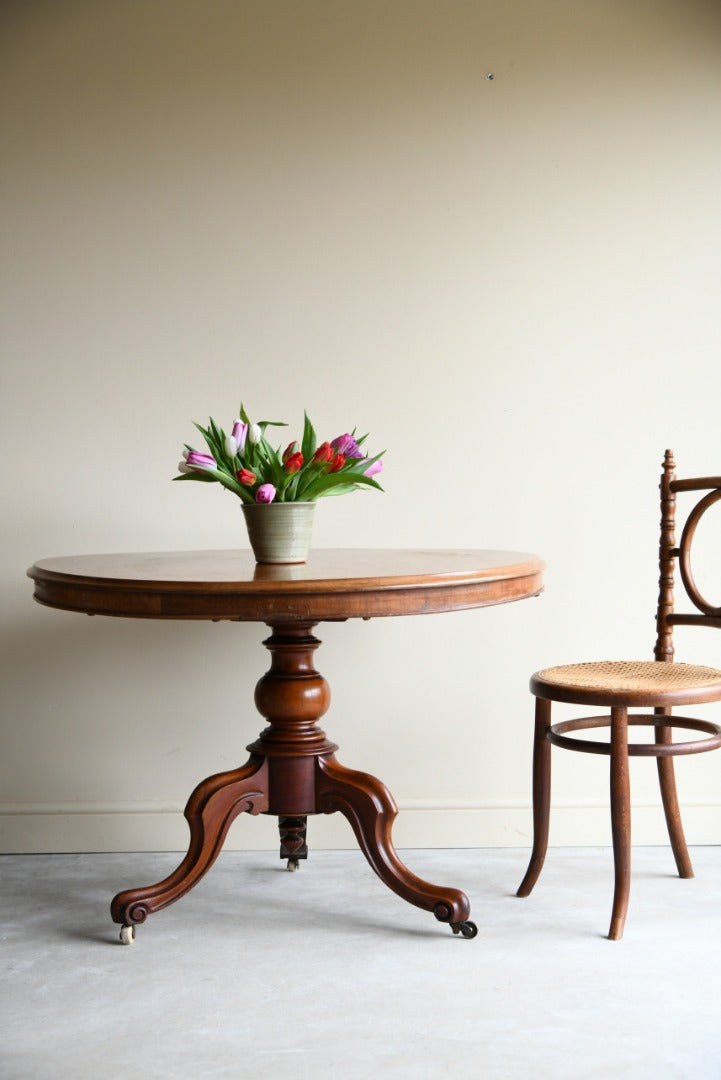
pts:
pixel 656 686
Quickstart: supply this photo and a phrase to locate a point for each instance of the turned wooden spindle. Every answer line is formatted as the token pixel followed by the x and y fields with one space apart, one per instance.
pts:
pixel 666 554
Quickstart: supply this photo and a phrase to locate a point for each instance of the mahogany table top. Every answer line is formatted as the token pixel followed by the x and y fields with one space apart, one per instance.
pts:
pixel 338 583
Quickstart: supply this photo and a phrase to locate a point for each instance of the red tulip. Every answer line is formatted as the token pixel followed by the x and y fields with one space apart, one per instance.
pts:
pixel 293 462
pixel 323 453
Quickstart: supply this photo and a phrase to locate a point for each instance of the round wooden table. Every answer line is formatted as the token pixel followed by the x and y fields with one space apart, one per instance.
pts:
pixel 292 770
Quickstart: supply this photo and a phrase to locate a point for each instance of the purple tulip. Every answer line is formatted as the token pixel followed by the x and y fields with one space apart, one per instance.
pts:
pixel 376 467
pixel 265 493
pixel 200 461
pixel 347 446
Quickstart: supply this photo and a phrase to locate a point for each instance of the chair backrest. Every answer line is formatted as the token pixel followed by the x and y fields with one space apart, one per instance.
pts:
pixel 666 617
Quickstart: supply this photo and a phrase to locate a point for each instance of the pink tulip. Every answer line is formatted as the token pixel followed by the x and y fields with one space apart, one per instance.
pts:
pixel 240 434
pixel 265 493
pixel 376 467
pixel 200 461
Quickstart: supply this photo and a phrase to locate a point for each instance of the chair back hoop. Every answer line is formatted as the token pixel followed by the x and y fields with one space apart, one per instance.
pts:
pixel 685 554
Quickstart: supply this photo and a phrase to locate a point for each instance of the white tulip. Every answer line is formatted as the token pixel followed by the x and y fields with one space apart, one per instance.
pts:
pixel 254 434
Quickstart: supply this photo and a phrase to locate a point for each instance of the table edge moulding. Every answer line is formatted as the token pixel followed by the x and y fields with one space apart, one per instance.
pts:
pixel 292 771
pixel 334 583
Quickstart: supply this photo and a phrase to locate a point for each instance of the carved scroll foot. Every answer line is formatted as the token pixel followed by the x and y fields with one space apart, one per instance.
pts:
pixel 210 812
pixel 371 809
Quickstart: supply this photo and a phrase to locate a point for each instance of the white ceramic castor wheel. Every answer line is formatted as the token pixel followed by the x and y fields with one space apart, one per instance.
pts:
pixel 127 935
pixel 292 864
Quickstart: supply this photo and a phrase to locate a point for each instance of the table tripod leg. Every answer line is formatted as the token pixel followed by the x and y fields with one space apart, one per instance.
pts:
pixel 211 809
pixel 371 809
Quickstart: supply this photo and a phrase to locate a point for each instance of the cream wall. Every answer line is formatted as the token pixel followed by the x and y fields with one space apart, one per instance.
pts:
pixel 513 284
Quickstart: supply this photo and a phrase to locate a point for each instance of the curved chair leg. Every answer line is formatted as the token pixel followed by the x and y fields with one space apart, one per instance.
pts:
pixel 620 820
pixel 669 797
pixel 211 809
pixel 541 795
pixel 371 809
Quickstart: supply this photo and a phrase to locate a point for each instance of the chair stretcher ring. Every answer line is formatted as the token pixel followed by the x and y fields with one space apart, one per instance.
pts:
pixel 557 735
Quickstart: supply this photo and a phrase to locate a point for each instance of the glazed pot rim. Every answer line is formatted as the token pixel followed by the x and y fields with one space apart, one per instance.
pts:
pixel 270 505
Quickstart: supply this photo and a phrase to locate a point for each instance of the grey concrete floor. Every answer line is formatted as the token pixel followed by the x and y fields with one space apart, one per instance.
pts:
pixel 262 973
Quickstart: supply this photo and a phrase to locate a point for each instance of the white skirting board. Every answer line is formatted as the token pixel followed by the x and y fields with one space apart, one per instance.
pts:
pixel 49 828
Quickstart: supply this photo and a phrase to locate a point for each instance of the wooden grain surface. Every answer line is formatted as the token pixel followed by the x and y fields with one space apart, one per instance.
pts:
pixel 333 584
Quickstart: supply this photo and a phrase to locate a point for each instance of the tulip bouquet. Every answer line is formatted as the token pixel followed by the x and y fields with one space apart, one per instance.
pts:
pixel 245 463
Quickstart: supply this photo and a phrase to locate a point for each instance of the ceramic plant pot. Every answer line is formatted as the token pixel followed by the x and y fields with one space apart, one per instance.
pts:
pixel 279 532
